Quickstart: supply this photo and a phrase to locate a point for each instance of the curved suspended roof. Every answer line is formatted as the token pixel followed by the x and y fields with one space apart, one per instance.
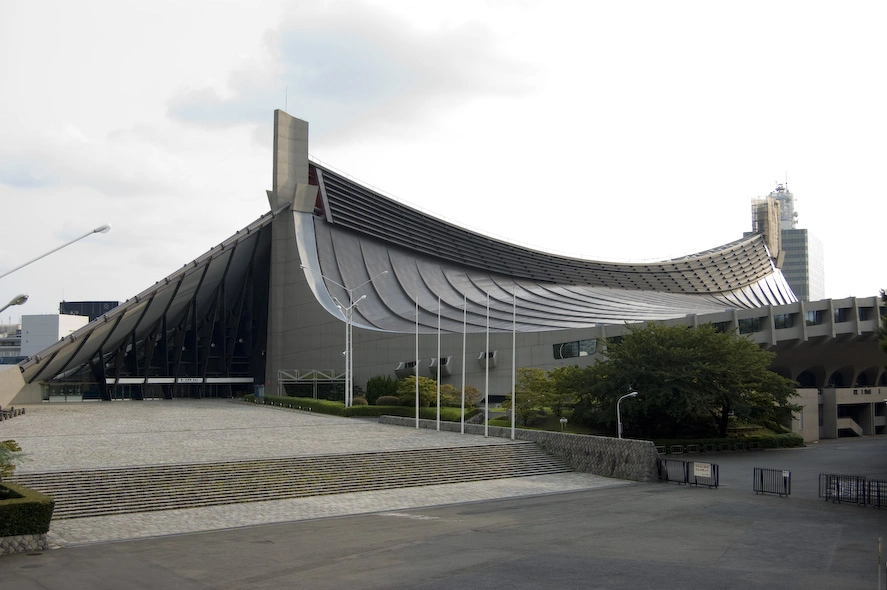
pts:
pixel 364 243
pixel 356 234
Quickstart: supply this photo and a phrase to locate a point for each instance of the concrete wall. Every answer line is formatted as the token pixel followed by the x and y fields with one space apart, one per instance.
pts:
pixel 318 340
pixel 806 423
pixel 11 382
pixel 610 457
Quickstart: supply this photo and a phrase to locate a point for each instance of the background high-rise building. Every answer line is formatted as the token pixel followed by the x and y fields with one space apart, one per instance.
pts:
pixel 91 309
pixel 804 261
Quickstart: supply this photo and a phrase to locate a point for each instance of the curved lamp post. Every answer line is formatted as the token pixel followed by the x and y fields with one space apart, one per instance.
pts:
pixel 618 415
pixel 102 229
pixel 348 313
pixel 17 300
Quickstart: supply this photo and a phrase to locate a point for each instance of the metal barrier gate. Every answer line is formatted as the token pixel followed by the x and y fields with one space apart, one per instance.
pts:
pixel 854 489
pixel 688 472
pixel 772 481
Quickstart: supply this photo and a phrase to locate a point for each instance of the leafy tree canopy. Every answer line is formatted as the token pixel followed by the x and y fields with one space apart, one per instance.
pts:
pixel 690 381
pixel 406 390
pixel 533 392
pixel 10 455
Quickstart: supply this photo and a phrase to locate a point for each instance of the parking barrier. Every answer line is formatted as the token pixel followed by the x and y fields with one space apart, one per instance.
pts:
pixel 772 481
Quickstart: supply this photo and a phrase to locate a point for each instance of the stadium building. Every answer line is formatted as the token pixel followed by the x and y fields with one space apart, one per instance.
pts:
pixel 338 283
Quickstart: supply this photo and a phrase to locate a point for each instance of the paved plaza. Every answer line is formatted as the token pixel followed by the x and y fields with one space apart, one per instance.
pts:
pixel 96 435
pixel 563 531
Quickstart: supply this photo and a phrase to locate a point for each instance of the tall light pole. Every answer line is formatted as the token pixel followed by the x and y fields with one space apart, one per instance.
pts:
pixel 348 313
pixel 618 415
pixel 102 229
pixel 17 300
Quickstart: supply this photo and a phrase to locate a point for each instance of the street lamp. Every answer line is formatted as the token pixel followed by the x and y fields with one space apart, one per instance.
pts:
pixel 17 300
pixel 102 229
pixel 348 313
pixel 618 415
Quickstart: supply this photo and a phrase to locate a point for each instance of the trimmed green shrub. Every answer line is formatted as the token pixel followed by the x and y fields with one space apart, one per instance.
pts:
pixel 380 411
pixel 10 454
pixel 379 386
pixel 446 414
pixel 359 401
pixel 24 511
pixel 388 400
pixel 307 404
pixel 766 441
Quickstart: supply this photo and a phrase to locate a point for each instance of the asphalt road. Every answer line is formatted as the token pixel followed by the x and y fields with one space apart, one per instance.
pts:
pixel 638 536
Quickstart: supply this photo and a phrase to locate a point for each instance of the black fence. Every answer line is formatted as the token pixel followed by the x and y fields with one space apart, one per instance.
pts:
pixel 688 472
pixel 853 489
pixel 772 481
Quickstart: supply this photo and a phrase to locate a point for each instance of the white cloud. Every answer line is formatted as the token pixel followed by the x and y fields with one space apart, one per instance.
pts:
pixel 357 70
pixel 630 130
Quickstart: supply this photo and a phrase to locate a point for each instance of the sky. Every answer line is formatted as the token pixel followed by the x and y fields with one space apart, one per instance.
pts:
pixel 622 131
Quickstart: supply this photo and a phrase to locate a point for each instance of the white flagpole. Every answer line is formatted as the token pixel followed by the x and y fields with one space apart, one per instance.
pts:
pixel 417 362
pixel 513 358
pixel 464 324
pixel 487 373
pixel 438 362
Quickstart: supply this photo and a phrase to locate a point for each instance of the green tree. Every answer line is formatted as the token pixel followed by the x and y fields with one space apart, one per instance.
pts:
pixel 406 390
pixel 690 381
pixel 10 456
pixel 472 396
pixel 380 385
pixel 566 383
pixel 452 397
pixel 533 393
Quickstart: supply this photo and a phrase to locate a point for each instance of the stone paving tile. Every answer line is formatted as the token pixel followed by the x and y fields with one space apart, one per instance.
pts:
pixel 102 435
pixel 171 522
pixel 95 435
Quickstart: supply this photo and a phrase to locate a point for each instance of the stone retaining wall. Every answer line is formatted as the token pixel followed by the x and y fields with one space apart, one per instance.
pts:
pixel 23 544
pixel 610 457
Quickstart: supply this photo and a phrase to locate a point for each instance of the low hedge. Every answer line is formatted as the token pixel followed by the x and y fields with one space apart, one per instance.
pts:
pixel 302 403
pixel 24 511
pixel 339 409
pixel 766 441
pixel 446 414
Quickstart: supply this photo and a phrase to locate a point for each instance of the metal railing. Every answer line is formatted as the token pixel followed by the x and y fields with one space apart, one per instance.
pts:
pixel 688 472
pixel 671 470
pixel 853 489
pixel 772 481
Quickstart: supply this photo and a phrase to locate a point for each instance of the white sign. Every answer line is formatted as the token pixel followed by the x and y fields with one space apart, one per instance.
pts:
pixel 702 470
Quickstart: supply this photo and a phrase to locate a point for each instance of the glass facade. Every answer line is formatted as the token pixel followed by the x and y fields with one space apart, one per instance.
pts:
pixel 804 266
pixel 566 350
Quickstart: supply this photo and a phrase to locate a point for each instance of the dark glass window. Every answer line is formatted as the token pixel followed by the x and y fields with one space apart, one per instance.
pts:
pixel 784 320
pixel 722 326
pixel 565 350
pixel 749 325
pixel 813 317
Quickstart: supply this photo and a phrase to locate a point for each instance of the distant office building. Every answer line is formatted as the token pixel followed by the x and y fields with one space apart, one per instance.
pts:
pixel 11 344
pixel 804 266
pixel 91 309
pixel 42 331
pixel 802 258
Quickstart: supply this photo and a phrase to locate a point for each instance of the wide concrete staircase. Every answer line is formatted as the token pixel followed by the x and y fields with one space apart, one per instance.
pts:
pixel 99 492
